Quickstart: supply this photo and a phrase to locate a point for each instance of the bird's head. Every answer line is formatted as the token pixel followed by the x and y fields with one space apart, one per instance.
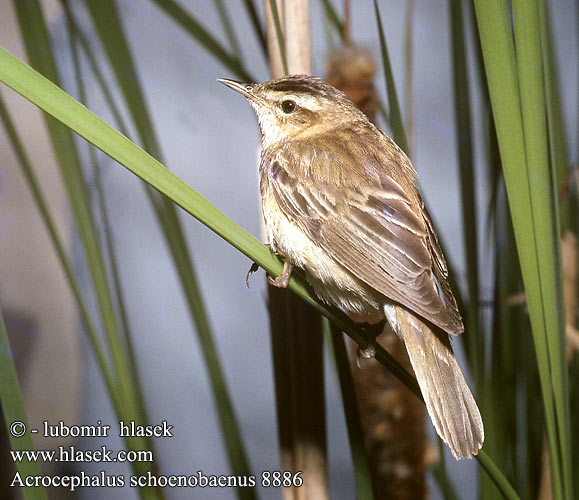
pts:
pixel 295 106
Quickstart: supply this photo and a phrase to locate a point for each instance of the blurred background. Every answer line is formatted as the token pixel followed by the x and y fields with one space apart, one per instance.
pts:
pixel 209 138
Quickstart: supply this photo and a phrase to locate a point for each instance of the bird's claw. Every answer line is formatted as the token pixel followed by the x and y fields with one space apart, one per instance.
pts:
pixel 254 267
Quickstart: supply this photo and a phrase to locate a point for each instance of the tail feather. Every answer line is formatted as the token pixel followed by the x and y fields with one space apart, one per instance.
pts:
pixel 448 399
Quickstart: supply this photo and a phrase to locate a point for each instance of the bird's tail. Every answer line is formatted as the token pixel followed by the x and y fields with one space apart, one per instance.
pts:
pixel 448 399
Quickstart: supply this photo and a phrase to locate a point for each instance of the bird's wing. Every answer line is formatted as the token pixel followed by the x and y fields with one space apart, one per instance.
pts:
pixel 373 231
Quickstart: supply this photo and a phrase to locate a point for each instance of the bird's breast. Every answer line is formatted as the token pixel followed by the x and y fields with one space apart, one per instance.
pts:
pixel 333 283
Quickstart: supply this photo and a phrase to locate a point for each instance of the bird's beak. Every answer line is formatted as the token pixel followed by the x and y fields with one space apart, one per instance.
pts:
pixel 245 89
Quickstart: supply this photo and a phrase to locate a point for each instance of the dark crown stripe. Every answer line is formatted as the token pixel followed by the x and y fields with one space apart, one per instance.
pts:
pixel 298 87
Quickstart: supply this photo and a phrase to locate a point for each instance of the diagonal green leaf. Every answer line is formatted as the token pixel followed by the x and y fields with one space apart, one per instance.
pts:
pixel 98 74
pixel 13 410
pixel 279 34
pixel 441 476
pixel 555 118
pixel 467 182
pixel 333 17
pixel 395 115
pixel 50 226
pixel 190 24
pixel 234 45
pixel 106 19
pixel 124 329
pixel 362 473
pixel 496 475
pixel 35 35
pixel 124 397
pixel 256 24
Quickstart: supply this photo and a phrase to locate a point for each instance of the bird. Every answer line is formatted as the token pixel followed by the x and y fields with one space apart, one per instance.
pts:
pixel 340 201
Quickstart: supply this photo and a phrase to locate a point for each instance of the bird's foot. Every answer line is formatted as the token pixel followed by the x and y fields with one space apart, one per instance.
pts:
pixel 283 280
pixel 280 281
pixel 368 352
pixel 370 332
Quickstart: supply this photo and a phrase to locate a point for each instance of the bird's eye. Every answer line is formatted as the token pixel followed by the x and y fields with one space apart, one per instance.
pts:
pixel 288 106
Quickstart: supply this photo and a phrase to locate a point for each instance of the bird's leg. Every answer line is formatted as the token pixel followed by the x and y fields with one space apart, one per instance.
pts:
pixel 283 280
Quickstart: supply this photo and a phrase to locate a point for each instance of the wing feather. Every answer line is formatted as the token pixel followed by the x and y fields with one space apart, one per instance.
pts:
pixel 374 229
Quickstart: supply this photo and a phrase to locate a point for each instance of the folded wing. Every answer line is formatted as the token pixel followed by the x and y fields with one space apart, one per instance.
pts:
pixel 375 231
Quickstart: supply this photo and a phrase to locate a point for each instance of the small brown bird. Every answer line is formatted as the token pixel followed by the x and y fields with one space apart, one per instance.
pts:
pixel 340 201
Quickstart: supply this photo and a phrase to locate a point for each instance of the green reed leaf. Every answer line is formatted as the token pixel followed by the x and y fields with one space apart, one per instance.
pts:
pixel 467 183
pixel 518 105
pixel 124 330
pixel 362 473
pixel 191 25
pixel 279 34
pixel 234 45
pixel 107 22
pixel 49 224
pixel 256 24
pixel 35 35
pixel 13 410
pixel 395 116
pixel 333 17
